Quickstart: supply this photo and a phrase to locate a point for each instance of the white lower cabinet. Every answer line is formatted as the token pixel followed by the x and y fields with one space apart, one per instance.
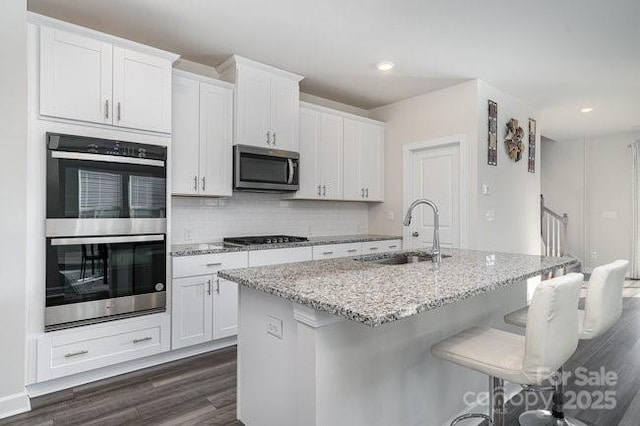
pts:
pixel 332 251
pixel 279 256
pixel 65 352
pixel 371 247
pixel 204 307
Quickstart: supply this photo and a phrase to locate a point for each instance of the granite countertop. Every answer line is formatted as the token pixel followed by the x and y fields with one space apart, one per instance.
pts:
pixel 219 247
pixel 375 294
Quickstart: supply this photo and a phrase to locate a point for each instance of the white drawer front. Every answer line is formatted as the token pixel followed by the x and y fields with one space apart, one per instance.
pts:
pixel 66 352
pixel 277 256
pixel 331 251
pixel 370 247
pixel 207 264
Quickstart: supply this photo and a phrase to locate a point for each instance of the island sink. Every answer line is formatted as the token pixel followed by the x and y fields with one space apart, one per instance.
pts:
pixel 403 259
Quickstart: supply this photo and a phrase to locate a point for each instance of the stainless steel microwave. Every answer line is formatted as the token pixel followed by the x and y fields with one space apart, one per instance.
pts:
pixel 265 170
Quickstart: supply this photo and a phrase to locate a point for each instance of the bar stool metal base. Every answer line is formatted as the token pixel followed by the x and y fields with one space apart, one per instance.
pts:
pixel 546 418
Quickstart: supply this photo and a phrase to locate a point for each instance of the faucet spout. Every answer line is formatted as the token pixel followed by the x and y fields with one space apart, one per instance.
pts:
pixel 435 251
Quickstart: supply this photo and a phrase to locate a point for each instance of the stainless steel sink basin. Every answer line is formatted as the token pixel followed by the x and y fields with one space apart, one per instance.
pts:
pixel 403 259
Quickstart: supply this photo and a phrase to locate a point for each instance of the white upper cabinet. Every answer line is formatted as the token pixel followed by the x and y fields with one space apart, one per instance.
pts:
pixel 141 91
pixel 267 104
pixel 75 77
pixel 202 136
pixel 363 161
pixel 321 136
pixel 97 80
pixel 185 138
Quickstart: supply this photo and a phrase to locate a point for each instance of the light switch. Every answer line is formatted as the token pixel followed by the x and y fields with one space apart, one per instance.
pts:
pixel 486 189
pixel 490 215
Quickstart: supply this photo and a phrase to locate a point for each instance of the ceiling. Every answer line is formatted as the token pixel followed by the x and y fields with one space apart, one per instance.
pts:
pixel 558 56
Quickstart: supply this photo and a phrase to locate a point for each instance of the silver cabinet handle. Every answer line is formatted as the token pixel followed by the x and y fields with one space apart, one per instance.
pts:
pixel 326 253
pixel 393 246
pixel 203 182
pixel 218 286
pixel 268 138
pixel 106 108
pixel 362 192
pixel 214 264
pixel 324 190
pixel 142 339
pixel 367 192
pixel 319 189
pixel 209 287
pixel 352 250
pixel 195 183
pixel 290 162
pixel 274 138
pixel 72 354
pixel 373 248
pixel 119 112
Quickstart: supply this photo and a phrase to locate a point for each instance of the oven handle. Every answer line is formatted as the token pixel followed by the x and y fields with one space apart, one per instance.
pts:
pixel 106 158
pixel 105 240
pixel 290 180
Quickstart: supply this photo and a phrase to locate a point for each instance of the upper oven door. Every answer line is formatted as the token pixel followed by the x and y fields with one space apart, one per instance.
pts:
pixel 264 169
pixel 95 193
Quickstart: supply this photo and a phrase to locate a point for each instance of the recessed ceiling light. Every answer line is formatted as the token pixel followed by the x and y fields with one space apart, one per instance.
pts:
pixel 586 110
pixel 385 65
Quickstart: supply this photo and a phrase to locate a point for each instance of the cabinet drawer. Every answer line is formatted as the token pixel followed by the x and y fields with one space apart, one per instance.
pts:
pixel 66 352
pixel 331 251
pixel 276 256
pixel 381 246
pixel 207 264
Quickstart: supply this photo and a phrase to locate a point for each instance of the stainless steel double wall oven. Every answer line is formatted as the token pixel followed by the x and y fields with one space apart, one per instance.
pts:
pixel 105 230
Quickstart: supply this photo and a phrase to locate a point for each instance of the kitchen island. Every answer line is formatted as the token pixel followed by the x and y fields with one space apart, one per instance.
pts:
pixel 347 341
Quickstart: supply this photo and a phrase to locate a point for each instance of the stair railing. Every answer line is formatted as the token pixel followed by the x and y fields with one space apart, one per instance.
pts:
pixel 553 228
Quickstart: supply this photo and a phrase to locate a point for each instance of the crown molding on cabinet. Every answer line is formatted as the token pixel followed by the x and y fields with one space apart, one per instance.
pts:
pixel 37 19
pixel 203 78
pixel 337 112
pixel 236 60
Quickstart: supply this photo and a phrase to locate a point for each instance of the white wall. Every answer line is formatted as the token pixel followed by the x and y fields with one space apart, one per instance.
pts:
pixel 13 227
pixel 207 220
pixel 445 112
pixel 514 191
pixel 586 178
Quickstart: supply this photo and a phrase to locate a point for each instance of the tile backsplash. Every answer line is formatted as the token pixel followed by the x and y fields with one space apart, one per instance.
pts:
pixel 197 220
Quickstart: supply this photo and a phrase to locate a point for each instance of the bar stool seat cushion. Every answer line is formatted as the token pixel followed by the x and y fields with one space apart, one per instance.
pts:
pixel 493 352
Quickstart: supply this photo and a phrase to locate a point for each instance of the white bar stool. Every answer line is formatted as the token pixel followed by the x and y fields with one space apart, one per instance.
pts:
pixel 526 360
pixel 603 307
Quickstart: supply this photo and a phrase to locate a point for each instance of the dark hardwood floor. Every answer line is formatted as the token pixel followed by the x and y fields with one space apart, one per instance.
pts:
pixel 195 391
pixel 202 390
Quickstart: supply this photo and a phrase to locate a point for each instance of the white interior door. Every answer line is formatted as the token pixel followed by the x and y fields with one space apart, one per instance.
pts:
pixel 435 175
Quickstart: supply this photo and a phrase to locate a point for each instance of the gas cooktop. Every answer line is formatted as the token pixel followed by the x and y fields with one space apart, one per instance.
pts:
pixel 264 239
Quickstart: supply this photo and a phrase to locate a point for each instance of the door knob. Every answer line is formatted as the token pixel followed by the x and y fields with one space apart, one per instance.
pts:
pixel 415 233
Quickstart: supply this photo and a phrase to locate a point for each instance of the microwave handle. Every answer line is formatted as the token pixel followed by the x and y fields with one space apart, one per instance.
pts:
pixel 290 180
pixel 105 240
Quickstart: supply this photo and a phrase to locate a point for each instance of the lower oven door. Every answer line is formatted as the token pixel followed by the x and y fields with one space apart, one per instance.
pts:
pixel 91 279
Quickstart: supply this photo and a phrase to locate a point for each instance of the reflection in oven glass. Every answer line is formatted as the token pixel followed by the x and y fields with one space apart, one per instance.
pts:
pixel 100 194
pixel 146 196
pixel 85 273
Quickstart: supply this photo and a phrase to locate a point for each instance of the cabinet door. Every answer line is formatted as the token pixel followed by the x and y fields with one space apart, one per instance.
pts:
pixel 225 308
pixel 280 256
pixel 141 91
pixel 353 188
pixel 330 156
pixel 253 105
pixel 75 77
pixel 285 107
pixel 185 139
pixel 192 315
pixel 371 161
pixel 216 157
pixel 309 141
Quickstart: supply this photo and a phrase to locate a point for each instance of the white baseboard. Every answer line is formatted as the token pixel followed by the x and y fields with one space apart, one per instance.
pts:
pixel 511 390
pixel 55 385
pixel 14 404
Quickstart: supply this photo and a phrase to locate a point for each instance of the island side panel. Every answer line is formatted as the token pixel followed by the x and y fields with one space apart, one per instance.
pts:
pixel 345 373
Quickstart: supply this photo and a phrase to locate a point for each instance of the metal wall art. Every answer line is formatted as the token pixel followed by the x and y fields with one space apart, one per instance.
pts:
pixel 532 145
pixel 492 138
pixel 513 140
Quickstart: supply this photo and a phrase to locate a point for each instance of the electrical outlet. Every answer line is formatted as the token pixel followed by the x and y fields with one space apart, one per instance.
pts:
pixel 486 189
pixel 187 234
pixel 490 215
pixel 274 326
pixel 390 215
pixel 594 255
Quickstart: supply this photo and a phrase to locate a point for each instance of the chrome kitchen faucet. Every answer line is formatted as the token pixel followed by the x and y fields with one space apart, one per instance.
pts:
pixel 435 251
